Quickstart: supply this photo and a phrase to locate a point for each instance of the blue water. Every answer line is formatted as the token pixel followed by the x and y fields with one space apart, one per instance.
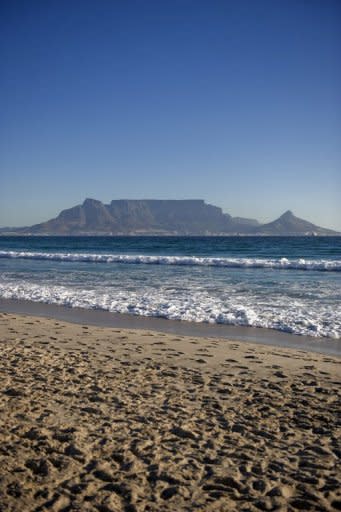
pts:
pixel 291 284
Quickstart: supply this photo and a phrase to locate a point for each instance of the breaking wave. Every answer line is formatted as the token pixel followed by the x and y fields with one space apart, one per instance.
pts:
pixel 272 263
pixel 282 314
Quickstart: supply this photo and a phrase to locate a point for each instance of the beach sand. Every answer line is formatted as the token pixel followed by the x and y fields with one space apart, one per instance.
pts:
pixel 105 419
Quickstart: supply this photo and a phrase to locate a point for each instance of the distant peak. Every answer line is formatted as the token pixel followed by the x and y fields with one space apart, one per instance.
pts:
pixel 163 217
pixel 287 214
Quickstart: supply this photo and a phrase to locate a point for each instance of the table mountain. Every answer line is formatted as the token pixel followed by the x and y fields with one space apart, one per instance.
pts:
pixel 163 217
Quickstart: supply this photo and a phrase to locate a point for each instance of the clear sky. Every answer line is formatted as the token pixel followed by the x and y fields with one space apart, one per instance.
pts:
pixel 236 102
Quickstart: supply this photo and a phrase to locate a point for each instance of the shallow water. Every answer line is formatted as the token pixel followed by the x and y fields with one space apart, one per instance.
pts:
pixel 290 284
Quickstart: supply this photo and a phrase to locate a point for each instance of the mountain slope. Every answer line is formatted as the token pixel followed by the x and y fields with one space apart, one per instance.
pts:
pixel 148 216
pixel 289 224
pixel 162 217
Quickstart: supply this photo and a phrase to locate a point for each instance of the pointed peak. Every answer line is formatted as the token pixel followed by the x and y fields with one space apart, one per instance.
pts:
pixel 287 214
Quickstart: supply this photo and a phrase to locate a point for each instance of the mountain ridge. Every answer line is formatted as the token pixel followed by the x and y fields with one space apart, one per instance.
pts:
pixel 163 217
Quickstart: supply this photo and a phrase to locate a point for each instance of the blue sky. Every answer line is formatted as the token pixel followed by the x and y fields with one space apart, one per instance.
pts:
pixel 236 102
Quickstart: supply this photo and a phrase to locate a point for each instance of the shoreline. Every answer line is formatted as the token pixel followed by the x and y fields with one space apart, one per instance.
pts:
pixel 127 420
pixel 100 318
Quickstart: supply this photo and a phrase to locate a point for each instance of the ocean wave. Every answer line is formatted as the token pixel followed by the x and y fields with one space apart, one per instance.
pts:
pixel 281 314
pixel 249 263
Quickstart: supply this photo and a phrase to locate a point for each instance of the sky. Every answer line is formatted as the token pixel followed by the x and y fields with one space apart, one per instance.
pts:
pixel 236 102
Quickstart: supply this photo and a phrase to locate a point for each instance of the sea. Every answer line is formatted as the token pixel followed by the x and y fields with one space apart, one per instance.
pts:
pixel 288 284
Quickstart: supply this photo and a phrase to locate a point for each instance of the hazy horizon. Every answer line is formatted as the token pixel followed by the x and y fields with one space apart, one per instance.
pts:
pixel 237 103
pixel 263 220
pixel 169 199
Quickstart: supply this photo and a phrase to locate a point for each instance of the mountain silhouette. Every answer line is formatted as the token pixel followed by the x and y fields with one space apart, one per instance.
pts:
pixel 163 217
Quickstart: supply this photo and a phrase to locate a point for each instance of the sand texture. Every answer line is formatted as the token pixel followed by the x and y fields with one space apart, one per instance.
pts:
pixel 100 419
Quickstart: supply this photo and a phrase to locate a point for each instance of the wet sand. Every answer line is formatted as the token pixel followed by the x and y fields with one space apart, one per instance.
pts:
pixel 176 327
pixel 111 419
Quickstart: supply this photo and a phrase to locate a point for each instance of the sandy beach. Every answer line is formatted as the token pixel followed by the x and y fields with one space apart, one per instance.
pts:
pixel 111 420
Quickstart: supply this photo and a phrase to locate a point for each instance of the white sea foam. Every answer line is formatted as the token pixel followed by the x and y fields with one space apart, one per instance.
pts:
pixel 271 263
pixel 194 305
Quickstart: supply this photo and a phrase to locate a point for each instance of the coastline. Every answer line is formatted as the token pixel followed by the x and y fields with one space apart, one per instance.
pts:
pixel 102 318
pixel 128 420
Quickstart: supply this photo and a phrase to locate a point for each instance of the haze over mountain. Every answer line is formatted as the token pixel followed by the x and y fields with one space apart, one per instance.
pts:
pixel 162 217
pixel 289 223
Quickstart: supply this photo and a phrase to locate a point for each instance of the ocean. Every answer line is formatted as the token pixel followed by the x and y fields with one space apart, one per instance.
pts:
pixel 289 284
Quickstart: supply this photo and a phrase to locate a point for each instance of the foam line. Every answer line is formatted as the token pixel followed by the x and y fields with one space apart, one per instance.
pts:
pixel 273 263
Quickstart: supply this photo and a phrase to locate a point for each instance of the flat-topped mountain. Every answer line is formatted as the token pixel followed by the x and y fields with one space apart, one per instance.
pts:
pixel 143 216
pixel 163 217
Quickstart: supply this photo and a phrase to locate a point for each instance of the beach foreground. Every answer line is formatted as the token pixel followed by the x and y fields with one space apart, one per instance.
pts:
pixel 103 419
